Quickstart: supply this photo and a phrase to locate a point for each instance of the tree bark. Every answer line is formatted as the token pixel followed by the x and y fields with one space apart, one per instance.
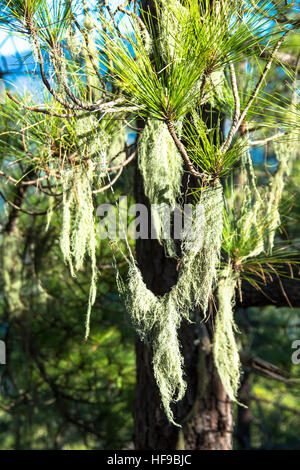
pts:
pixel 244 416
pixel 282 292
pixel 205 412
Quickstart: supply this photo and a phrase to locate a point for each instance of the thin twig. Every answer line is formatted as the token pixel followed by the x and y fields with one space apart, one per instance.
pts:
pixel 36 43
pixel 122 165
pixel 136 129
pixel 281 285
pixel 104 188
pixel 122 9
pixel 268 139
pixel 23 183
pixel 254 94
pixel 39 110
pixel 78 104
pixel 261 80
pixel 237 107
pixel 12 204
pixel 112 17
pixel 91 57
pixel 181 149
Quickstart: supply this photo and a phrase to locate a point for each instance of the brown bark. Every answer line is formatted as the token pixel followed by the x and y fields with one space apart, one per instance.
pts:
pixel 281 292
pixel 244 416
pixel 205 412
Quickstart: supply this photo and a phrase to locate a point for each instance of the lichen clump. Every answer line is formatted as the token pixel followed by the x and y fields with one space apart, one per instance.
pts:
pixel 157 319
pixel 225 349
pixel 78 236
pixel 161 167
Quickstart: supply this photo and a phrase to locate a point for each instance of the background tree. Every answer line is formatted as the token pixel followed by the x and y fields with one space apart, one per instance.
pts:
pixel 196 118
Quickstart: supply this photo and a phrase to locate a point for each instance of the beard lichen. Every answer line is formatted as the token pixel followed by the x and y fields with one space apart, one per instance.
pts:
pixel 254 233
pixel 276 186
pixel 161 167
pixel 158 318
pixel 172 16
pixel 225 349
pixel 12 271
pixel 78 236
pixel 93 143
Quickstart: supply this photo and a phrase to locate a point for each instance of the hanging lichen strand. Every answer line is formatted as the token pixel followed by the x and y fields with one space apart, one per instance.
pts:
pixel 225 349
pixel 157 319
pixel 255 229
pixel 78 236
pixel 251 222
pixel 277 182
pixel 93 143
pixel 250 226
pixel 12 271
pixel 162 168
pixel 172 15
pixel 260 209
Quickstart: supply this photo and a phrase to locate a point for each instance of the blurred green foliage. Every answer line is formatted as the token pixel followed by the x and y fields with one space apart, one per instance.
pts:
pixel 57 391
pixel 274 405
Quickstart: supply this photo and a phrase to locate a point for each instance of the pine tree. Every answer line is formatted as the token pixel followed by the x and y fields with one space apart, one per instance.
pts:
pixel 192 79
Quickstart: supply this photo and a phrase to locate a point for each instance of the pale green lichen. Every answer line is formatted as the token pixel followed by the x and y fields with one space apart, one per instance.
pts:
pixel 251 222
pixel 73 42
pixel 172 15
pixel 78 236
pixel 201 258
pixel 254 232
pixel 161 167
pixel 260 208
pixel 157 319
pixel 276 186
pixel 50 213
pixel 91 55
pixel 68 197
pixel 225 349
pixel 12 271
pixel 93 142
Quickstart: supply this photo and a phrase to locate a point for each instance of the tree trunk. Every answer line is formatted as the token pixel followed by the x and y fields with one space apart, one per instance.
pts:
pixel 205 412
pixel 244 415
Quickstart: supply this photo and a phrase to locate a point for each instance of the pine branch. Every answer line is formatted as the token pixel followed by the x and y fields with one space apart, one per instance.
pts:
pixel 254 94
pixel 39 110
pixel 41 62
pixel 109 185
pixel 237 107
pixel 181 149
